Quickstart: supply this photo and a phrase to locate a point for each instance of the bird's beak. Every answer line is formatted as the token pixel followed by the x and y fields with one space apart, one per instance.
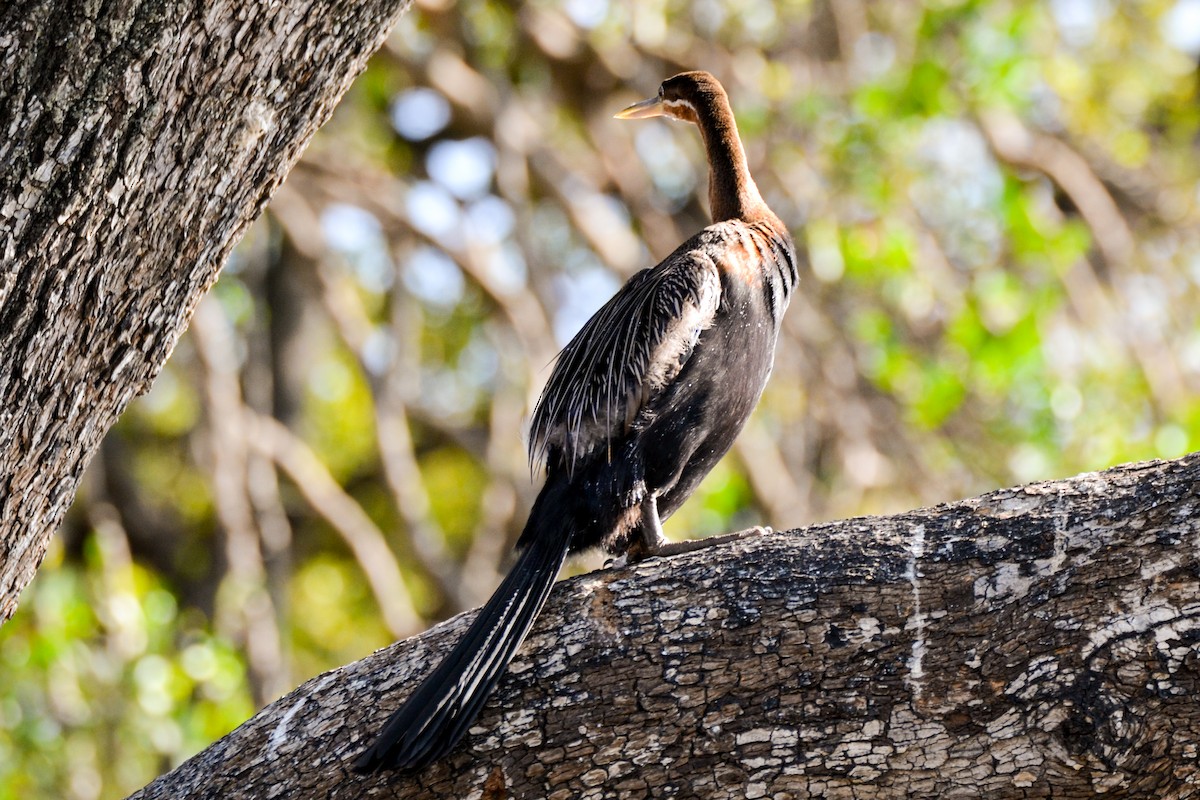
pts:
pixel 647 108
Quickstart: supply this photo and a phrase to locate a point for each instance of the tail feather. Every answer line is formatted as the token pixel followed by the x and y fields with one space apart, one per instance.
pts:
pixel 440 711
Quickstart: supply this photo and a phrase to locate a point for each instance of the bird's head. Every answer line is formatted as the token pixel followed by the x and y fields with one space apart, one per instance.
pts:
pixel 684 96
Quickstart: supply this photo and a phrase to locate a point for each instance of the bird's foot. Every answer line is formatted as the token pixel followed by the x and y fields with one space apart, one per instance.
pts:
pixel 639 550
pixel 646 547
pixel 691 545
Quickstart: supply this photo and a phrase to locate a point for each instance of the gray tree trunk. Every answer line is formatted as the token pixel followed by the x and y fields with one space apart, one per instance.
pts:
pixel 138 139
pixel 1034 642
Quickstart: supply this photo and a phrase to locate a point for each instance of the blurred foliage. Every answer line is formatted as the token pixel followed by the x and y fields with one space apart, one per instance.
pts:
pixel 999 204
pixel 108 680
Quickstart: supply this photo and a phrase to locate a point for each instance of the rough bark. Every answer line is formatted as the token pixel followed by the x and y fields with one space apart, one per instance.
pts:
pixel 138 140
pixel 1042 641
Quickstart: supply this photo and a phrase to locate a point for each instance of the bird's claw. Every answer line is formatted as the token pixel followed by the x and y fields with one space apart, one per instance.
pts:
pixel 639 550
pixel 756 530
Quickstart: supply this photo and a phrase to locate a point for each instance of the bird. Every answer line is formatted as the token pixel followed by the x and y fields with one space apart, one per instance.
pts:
pixel 639 407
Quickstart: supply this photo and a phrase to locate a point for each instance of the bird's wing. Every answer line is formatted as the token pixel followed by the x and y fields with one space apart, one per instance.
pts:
pixel 627 352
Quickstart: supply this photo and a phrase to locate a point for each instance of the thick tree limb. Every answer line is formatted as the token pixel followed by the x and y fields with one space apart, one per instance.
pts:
pixel 138 140
pixel 1034 642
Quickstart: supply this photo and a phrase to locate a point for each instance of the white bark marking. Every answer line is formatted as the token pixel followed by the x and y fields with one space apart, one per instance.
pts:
pixel 1140 617
pixel 916 669
pixel 1059 559
pixel 279 734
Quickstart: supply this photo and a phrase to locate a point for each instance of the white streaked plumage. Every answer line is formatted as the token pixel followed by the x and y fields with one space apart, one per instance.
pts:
pixel 631 348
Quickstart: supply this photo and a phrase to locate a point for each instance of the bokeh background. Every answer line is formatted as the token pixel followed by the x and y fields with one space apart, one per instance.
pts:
pixel 998 201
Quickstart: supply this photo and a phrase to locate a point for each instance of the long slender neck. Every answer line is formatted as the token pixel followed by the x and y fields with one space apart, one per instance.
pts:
pixel 732 193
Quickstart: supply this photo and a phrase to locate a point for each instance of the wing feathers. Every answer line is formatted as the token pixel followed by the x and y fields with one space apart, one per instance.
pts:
pixel 630 349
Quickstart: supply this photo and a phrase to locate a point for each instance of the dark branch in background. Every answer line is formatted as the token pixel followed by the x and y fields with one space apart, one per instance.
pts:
pixel 1016 144
pixel 362 536
pixel 245 607
pixel 1019 146
pixel 1032 642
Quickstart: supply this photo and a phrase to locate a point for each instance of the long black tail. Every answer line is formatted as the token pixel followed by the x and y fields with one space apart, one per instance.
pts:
pixel 439 712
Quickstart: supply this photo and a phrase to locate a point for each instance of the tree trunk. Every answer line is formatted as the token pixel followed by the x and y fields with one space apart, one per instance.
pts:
pixel 1033 642
pixel 137 142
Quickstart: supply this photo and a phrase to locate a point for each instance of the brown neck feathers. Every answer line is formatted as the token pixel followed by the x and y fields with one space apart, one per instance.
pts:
pixel 732 193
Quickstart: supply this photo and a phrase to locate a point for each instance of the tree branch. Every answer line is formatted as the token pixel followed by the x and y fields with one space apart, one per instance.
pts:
pixel 134 157
pixel 343 513
pixel 1033 642
pixel 245 609
pixel 1017 145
